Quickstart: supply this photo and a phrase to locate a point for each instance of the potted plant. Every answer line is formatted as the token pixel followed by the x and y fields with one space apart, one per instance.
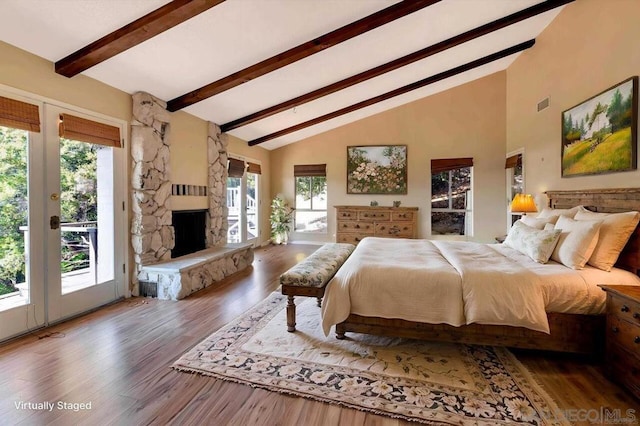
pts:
pixel 281 217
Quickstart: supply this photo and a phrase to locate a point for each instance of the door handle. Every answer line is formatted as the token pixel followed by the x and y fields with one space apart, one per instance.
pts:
pixel 54 222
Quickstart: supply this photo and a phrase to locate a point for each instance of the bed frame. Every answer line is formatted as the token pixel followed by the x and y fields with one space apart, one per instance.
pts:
pixel 568 332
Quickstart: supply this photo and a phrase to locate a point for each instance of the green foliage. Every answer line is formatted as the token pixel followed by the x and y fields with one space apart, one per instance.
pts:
pixel 13 204
pixel 281 219
pixel 78 199
pixel 78 194
pixel 311 186
pixel 6 289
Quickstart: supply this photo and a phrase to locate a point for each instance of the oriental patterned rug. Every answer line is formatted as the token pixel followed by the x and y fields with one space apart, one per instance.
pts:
pixel 435 383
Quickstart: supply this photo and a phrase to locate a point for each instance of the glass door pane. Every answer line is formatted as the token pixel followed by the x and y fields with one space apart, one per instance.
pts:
pixel 14 219
pixel 234 205
pixel 21 252
pixel 86 182
pixel 253 222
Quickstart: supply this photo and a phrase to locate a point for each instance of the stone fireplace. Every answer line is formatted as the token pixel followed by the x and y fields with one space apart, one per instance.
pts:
pixel 152 230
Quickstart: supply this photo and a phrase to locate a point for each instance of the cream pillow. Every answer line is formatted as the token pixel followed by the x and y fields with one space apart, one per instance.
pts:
pixel 548 212
pixel 614 233
pixel 535 243
pixel 538 223
pixel 577 241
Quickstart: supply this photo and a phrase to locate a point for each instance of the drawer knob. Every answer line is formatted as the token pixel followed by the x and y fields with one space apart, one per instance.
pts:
pixel 358 226
pixel 615 329
pixel 357 239
pixel 624 308
pixel 636 340
pixel 636 315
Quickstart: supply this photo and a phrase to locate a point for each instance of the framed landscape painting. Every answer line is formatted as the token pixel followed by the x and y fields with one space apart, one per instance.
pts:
pixel 379 169
pixel 599 135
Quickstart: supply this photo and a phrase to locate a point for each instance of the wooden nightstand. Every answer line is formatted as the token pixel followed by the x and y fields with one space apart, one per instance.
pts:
pixel 622 361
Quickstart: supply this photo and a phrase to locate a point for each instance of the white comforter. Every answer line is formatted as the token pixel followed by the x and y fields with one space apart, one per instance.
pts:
pixel 455 283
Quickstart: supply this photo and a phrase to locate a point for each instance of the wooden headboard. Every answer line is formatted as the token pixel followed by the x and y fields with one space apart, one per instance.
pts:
pixel 606 201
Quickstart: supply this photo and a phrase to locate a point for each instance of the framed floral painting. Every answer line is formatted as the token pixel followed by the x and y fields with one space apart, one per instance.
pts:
pixel 377 169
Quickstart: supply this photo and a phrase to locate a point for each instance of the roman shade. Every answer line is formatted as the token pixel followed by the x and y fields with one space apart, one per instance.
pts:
pixel 236 168
pixel 310 170
pixel 83 130
pixel 19 115
pixel 254 168
pixel 446 164
pixel 513 161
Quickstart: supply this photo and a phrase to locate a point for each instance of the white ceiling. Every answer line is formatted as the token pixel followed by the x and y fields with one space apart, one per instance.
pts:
pixel 239 33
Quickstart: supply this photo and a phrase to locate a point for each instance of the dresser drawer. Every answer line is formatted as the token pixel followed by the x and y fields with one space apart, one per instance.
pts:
pixel 624 309
pixel 347 214
pixel 350 238
pixel 396 230
pixel 623 333
pixel 359 227
pixel 623 368
pixel 373 215
pixel 402 216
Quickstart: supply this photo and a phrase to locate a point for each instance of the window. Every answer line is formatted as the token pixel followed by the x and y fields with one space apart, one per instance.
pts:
pixel 515 182
pixel 451 196
pixel 311 198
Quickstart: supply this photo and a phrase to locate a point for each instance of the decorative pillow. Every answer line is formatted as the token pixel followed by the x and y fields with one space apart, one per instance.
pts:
pixel 577 241
pixel 547 212
pixel 538 223
pixel 549 226
pixel 614 233
pixel 535 243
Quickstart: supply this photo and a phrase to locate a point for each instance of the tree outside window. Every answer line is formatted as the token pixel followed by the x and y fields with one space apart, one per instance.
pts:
pixel 451 193
pixel 311 204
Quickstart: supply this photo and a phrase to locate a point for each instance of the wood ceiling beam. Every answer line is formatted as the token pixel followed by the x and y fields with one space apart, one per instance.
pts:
pixel 397 63
pixel 301 51
pixel 132 34
pixel 396 92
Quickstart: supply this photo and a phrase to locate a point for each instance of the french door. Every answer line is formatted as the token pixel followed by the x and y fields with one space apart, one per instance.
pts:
pixel 243 203
pixel 69 242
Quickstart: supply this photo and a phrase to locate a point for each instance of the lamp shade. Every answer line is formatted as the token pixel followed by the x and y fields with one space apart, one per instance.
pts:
pixel 523 203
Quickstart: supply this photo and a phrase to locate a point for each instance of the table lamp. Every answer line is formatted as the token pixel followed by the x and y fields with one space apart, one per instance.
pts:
pixel 523 203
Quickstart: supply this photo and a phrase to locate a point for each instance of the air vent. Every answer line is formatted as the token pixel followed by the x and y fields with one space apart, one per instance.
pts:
pixel 543 104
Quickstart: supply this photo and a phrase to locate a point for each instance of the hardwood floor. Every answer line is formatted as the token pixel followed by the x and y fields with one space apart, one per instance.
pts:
pixel 118 359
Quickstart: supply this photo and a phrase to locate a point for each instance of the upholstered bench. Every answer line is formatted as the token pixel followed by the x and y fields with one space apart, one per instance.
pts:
pixel 310 277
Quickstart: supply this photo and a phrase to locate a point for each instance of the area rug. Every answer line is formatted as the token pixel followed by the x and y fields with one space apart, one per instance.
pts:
pixel 434 383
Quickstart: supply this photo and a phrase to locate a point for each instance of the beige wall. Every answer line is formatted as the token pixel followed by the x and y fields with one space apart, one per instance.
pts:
pixel 589 47
pixel 467 121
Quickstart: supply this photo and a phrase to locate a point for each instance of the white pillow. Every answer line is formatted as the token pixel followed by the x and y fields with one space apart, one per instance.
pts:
pixel 577 241
pixel 614 233
pixel 538 223
pixel 535 243
pixel 548 212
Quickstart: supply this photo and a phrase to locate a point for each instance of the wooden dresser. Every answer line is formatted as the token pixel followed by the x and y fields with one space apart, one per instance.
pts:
pixel 623 336
pixel 356 222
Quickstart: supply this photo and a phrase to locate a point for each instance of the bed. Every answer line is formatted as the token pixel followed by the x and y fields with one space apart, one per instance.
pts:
pixel 552 307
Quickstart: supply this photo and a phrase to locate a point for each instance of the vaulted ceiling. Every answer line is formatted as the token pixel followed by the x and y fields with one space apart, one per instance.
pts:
pixel 273 72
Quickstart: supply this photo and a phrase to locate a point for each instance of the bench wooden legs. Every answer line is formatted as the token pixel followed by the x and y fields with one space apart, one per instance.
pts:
pixel 291 314
pixel 291 292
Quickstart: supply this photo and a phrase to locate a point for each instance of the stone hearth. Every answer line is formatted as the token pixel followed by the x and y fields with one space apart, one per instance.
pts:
pixel 152 233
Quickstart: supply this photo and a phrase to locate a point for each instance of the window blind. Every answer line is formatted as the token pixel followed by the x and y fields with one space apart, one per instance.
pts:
pixel 513 161
pixel 446 164
pixel 254 168
pixel 236 168
pixel 310 170
pixel 19 115
pixel 83 130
